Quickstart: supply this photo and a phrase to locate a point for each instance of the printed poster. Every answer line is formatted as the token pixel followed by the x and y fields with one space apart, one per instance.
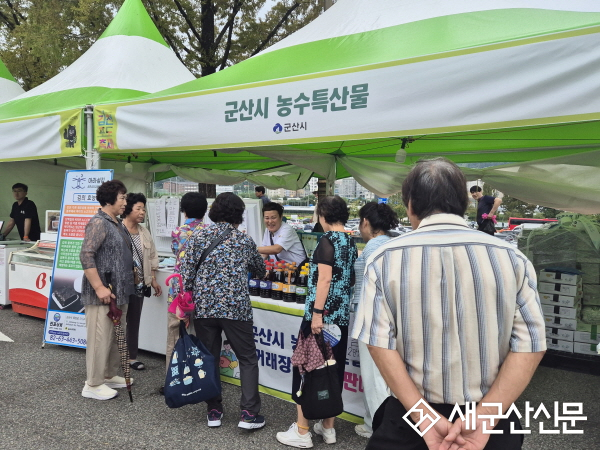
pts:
pixel 65 319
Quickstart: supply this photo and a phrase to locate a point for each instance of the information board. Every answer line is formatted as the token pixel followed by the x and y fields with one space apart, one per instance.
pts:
pixel 65 319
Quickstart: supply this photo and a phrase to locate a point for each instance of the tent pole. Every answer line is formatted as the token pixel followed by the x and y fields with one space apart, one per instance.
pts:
pixel 92 157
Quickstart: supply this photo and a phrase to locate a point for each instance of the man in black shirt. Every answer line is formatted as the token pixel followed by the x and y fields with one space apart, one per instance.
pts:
pixel 486 204
pixel 24 215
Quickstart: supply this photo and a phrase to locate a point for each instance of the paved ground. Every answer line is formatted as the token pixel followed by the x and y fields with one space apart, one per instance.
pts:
pixel 41 405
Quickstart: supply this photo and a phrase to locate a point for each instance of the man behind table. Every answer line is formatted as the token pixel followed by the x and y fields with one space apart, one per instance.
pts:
pixel 280 240
pixel 450 317
pixel 24 215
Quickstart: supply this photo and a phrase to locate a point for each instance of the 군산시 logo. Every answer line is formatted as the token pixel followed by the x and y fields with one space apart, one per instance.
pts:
pixel 277 128
pixel 425 412
pixel 56 317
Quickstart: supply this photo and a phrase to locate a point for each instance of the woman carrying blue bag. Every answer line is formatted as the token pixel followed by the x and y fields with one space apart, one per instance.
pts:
pixel 220 291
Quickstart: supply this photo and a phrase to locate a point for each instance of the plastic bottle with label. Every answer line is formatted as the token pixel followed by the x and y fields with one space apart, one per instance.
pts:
pixel 277 284
pixel 289 288
pixel 254 286
pixel 302 287
pixel 265 283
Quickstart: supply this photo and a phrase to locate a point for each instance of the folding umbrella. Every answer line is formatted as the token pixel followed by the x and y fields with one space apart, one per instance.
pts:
pixel 115 314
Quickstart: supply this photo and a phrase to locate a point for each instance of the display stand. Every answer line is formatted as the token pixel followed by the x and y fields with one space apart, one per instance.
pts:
pixel 572 361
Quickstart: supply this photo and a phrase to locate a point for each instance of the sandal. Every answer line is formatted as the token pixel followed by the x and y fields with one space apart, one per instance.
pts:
pixel 137 365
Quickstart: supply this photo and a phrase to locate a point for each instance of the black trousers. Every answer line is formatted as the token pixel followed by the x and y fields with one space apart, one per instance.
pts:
pixel 241 336
pixel 391 431
pixel 134 314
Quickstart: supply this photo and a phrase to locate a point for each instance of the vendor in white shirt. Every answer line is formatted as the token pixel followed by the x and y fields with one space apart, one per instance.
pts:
pixel 280 240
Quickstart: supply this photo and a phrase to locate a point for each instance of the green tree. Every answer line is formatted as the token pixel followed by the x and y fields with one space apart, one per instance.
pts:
pixel 395 202
pixel 548 213
pixel 513 207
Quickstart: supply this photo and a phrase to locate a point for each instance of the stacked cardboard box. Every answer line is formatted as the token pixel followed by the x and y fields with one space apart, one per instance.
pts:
pixel 560 295
pixel 568 263
pixel 586 339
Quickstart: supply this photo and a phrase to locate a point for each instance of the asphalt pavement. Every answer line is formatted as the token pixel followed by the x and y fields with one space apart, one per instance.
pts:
pixel 41 405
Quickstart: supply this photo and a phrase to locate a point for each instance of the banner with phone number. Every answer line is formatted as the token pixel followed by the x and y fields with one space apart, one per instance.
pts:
pixel 65 319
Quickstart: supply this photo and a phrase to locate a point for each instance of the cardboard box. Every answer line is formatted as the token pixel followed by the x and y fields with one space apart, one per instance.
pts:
pixel 561 289
pixel 589 334
pixel 559 300
pixel 560 322
pixel 557 333
pixel 557 344
pixel 558 277
pixel 560 311
pixel 585 349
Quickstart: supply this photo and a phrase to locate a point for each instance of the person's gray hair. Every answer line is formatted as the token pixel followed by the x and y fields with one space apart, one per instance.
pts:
pixel 435 186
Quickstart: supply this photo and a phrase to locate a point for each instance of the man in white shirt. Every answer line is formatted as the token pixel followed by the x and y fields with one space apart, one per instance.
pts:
pixel 280 240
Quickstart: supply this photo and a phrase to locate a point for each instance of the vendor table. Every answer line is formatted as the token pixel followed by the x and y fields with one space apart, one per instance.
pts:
pixel 276 326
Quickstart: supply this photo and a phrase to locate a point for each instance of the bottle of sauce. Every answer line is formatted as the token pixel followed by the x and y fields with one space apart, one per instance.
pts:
pixel 265 283
pixel 277 284
pixel 302 287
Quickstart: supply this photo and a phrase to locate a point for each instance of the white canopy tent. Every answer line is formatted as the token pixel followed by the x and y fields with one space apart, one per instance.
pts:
pixel 9 88
pixel 472 80
pixel 46 124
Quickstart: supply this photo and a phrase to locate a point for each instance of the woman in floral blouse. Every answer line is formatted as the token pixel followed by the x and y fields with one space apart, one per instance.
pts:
pixel 328 302
pixel 193 206
pixel 220 290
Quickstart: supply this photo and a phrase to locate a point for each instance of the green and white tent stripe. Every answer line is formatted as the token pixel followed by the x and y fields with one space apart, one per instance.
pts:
pixel 129 60
pixel 475 81
pixel 9 88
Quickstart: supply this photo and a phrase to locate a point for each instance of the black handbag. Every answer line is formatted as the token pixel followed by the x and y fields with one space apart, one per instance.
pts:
pixel 487 226
pixel 321 391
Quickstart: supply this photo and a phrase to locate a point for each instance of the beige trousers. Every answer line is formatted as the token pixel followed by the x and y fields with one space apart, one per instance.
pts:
pixel 102 358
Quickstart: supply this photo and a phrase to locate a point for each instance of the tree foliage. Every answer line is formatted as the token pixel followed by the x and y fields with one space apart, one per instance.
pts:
pixel 39 38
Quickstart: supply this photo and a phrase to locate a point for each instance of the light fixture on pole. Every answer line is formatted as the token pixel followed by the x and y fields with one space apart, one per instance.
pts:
pixel 128 165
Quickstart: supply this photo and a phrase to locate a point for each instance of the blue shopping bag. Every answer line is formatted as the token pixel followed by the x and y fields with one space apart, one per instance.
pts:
pixel 192 375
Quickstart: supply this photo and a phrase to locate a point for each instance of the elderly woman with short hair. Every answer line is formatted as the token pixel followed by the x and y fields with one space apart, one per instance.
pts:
pixel 330 280
pixel 106 249
pixel 220 291
pixel 145 259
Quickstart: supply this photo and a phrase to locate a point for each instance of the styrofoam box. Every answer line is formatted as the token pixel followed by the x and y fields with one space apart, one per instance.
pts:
pixel 560 311
pixel 558 333
pixel 559 300
pixel 558 277
pixel 556 288
pixel 560 322
pixel 557 344
pixel 586 337
pixel 585 349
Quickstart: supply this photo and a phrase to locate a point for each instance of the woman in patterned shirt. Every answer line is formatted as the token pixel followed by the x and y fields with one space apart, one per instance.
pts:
pixel 328 302
pixel 220 290
pixel 193 206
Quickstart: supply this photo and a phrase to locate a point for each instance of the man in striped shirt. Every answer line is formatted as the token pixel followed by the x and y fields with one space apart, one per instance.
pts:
pixel 451 316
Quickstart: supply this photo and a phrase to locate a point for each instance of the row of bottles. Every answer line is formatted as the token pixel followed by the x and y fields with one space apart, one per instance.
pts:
pixel 280 283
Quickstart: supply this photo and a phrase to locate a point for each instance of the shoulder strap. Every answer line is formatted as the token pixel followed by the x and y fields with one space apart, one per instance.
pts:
pixel 220 238
pixel 272 243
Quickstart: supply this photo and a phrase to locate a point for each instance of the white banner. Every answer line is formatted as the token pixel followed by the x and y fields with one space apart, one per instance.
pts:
pixel 275 334
pixel 505 86
pixel 65 320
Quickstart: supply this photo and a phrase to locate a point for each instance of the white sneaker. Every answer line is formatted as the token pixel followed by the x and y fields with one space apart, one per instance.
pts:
pixel 101 392
pixel 292 438
pixel 117 382
pixel 327 433
pixel 363 430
